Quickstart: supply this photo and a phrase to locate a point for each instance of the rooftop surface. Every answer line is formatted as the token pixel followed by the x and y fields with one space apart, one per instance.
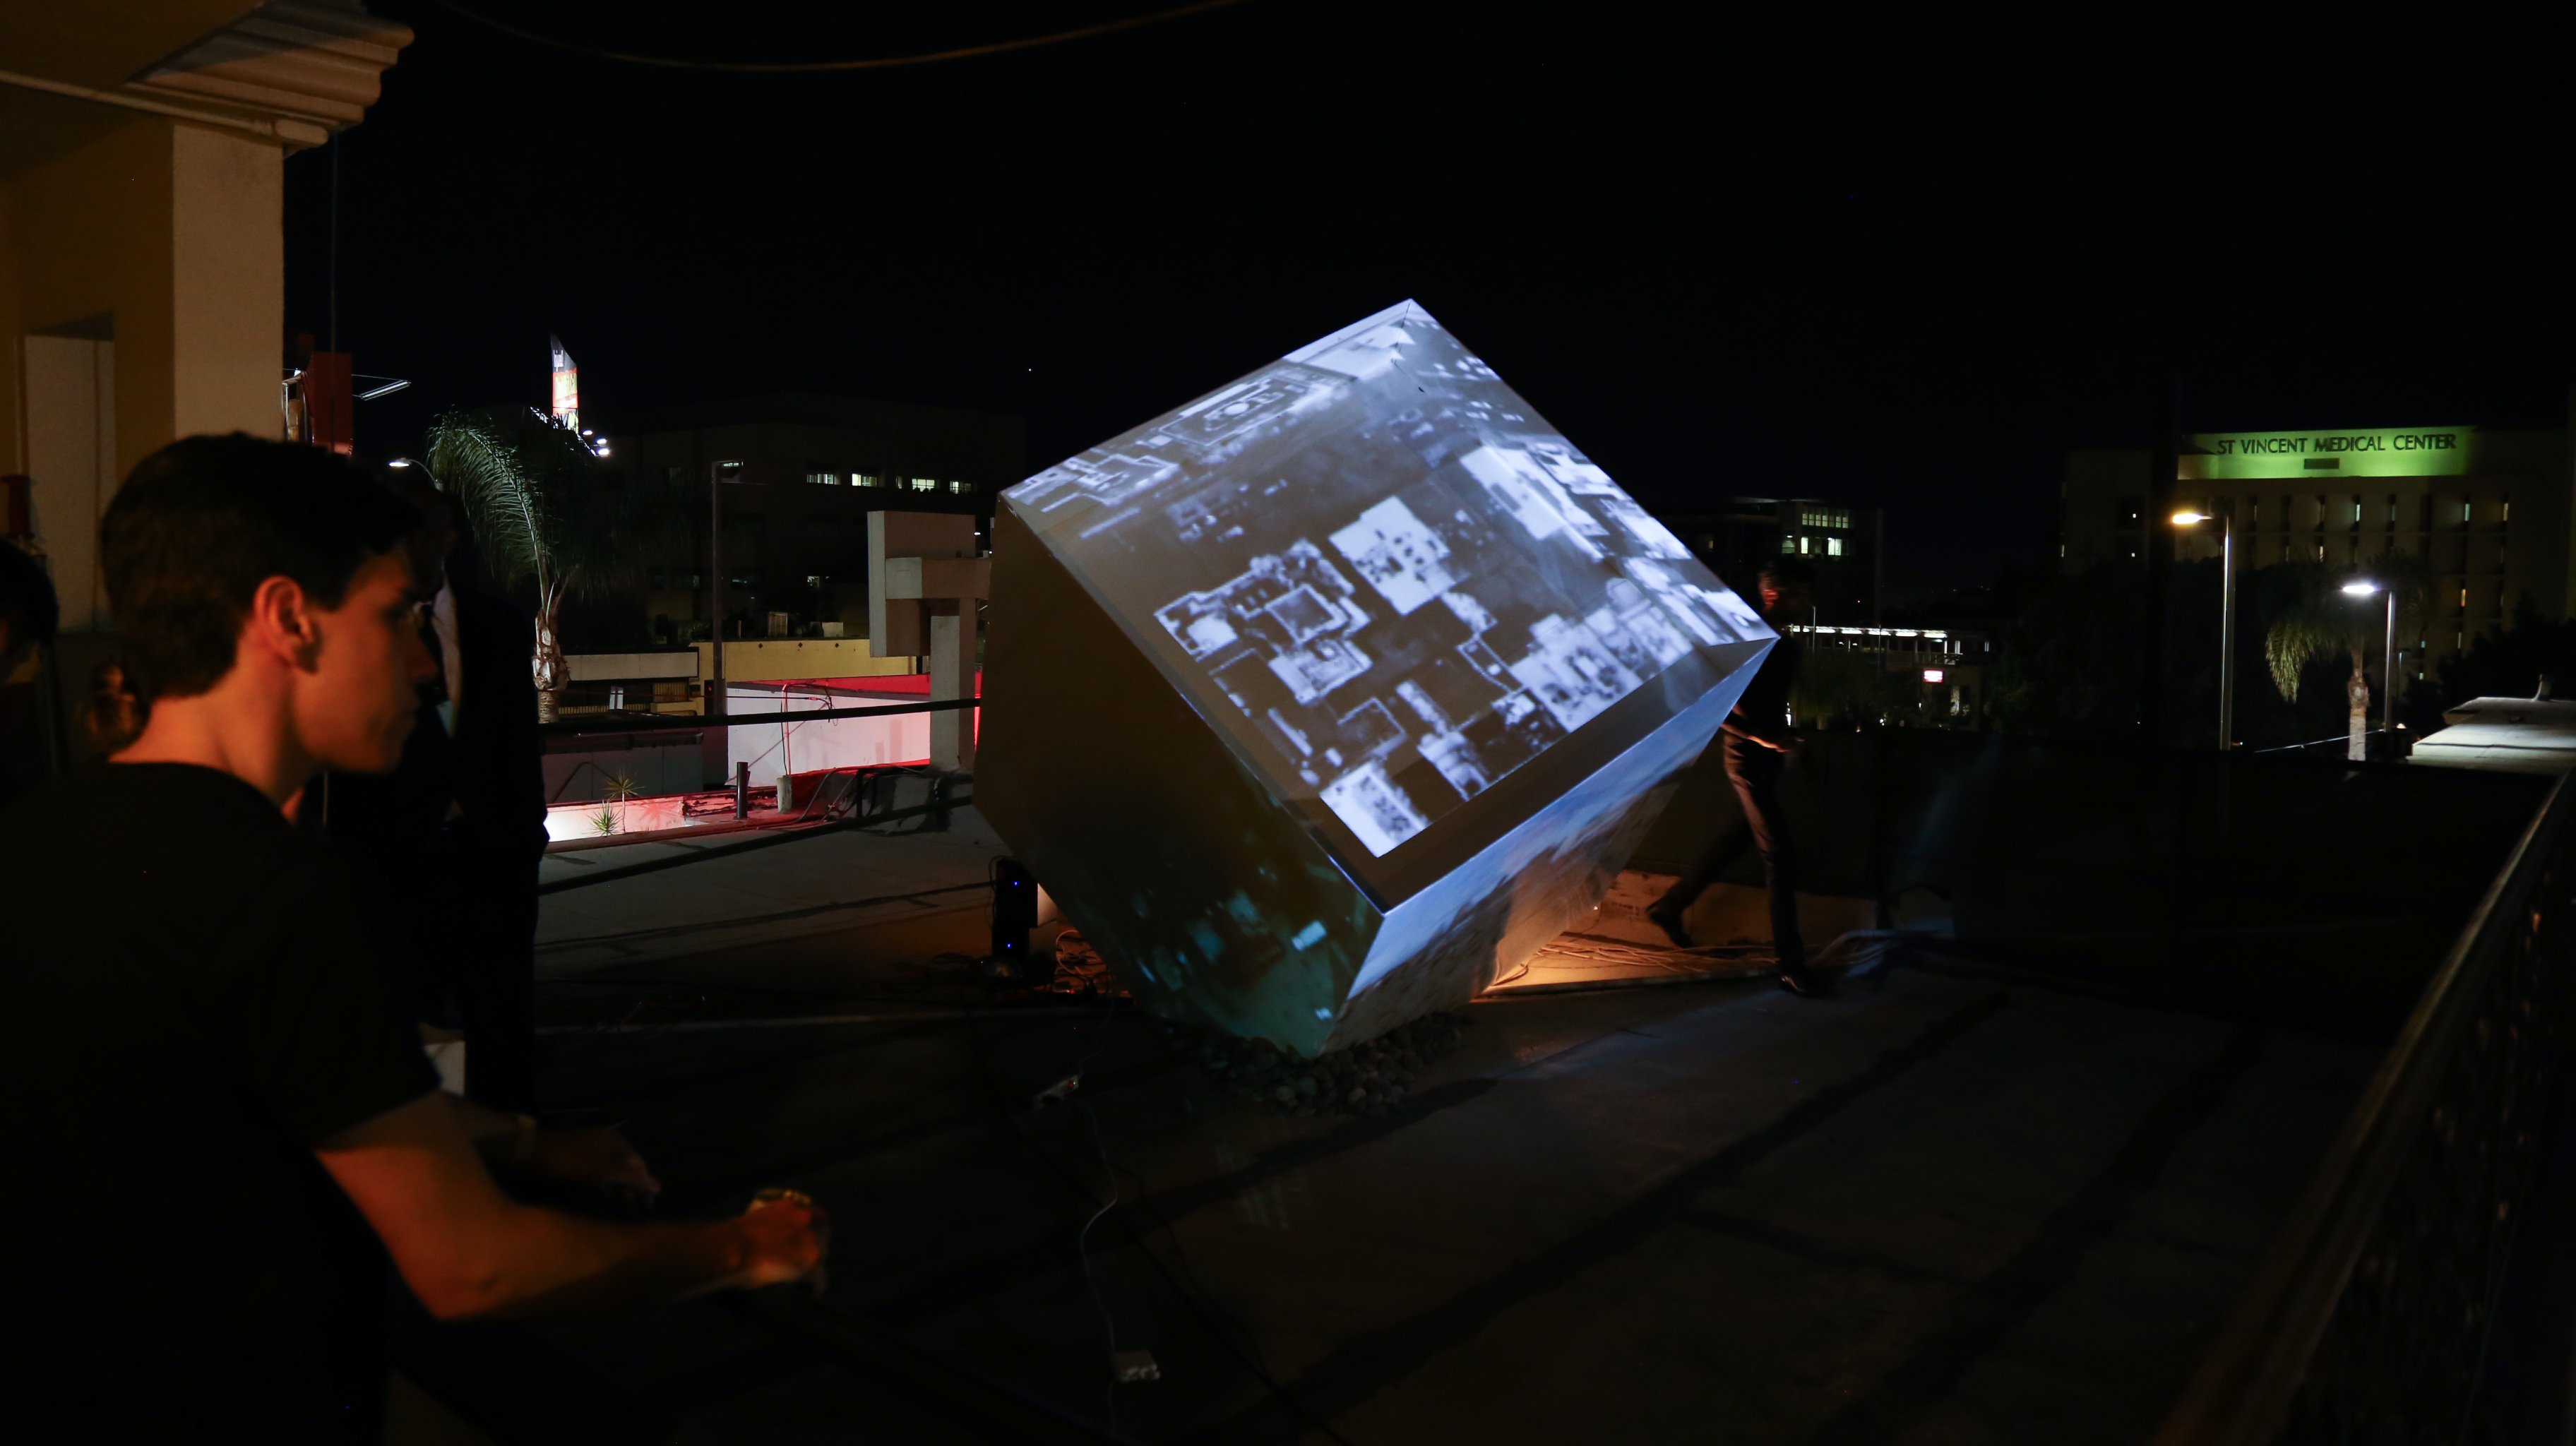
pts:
pixel 1950 1205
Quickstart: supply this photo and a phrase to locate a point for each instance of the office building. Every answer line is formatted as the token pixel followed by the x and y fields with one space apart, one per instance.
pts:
pixel 801 472
pixel 2489 511
pixel 1842 540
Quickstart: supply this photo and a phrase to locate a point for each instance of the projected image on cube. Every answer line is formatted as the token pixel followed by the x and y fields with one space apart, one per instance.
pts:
pixel 1414 671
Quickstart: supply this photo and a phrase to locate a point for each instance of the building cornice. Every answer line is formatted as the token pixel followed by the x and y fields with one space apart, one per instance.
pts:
pixel 291 71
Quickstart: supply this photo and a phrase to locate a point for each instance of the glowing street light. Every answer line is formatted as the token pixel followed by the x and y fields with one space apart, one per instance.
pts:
pixel 2226 620
pixel 2363 587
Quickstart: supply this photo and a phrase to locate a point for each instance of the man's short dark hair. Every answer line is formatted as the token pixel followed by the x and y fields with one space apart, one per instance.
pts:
pixel 27 602
pixel 204 521
pixel 1788 570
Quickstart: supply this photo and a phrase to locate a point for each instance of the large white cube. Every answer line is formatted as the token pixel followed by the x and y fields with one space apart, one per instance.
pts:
pixel 1325 699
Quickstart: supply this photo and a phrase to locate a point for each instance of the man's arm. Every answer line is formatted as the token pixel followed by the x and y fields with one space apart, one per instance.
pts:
pixel 468 1251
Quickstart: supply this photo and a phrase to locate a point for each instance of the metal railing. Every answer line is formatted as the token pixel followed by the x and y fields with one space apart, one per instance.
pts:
pixel 943 800
pixel 2370 1319
pixel 675 722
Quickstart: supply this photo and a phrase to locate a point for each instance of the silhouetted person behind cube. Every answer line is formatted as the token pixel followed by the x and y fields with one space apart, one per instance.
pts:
pixel 1757 745
pixel 225 1127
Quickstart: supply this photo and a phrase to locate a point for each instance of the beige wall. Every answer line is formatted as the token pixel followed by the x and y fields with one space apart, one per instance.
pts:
pixel 142 298
pixel 93 239
pixel 775 660
pixel 228 292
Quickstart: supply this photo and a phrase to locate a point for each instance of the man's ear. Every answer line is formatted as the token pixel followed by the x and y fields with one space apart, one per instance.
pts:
pixel 281 623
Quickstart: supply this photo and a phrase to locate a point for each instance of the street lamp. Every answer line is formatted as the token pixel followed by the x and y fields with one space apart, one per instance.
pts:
pixel 2226 620
pixel 2387 655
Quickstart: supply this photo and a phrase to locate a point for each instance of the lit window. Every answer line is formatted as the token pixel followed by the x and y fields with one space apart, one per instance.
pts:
pixel 863 479
pixel 2464 597
pixel 957 487
pixel 826 479
pixel 1833 547
pixel 2464 512
pixel 2504 512
pixel 925 484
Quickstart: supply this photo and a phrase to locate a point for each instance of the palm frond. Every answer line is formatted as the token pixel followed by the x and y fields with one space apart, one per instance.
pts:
pixel 475 457
pixel 542 504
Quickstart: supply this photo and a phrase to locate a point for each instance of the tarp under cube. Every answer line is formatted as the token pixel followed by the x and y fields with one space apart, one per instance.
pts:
pixel 1324 700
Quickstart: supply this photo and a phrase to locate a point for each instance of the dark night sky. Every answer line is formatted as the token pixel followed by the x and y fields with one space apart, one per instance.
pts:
pixel 1818 256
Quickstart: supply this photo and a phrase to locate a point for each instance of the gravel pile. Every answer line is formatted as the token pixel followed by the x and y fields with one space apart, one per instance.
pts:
pixel 1365 1079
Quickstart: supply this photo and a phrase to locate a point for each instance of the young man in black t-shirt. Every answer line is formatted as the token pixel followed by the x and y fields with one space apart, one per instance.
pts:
pixel 223 1126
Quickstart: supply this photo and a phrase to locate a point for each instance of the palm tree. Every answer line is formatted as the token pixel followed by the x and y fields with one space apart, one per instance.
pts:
pixel 2323 621
pixel 543 508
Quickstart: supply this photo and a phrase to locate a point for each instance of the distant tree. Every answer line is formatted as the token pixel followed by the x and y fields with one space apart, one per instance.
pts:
pixel 2511 663
pixel 1852 687
pixel 544 509
pixel 2317 619
pixel 2067 664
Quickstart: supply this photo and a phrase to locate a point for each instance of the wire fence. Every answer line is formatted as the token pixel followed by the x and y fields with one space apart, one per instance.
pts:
pixel 2322 742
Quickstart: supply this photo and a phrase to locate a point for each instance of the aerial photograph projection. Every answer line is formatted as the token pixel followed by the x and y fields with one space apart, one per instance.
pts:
pixel 1402 581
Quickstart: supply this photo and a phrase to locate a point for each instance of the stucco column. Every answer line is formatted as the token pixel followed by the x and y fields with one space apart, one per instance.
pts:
pixel 228 282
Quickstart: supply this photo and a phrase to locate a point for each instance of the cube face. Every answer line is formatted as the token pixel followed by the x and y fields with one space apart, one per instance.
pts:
pixel 1441 644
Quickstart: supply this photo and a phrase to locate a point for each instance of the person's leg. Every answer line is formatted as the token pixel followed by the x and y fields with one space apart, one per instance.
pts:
pixel 1760 795
pixel 1757 788
pixel 1666 912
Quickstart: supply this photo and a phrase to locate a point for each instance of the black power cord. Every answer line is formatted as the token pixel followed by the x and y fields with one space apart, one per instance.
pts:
pixel 1200 1303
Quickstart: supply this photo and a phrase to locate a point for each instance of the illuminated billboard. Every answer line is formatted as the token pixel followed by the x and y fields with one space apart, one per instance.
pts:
pixel 2380 452
pixel 567 387
pixel 1446 654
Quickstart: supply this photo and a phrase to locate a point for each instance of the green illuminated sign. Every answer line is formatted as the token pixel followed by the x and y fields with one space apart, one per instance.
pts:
pixel 2389 452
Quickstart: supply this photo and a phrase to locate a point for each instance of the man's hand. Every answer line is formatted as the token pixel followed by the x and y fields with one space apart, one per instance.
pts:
pixel 595 1157
pixel 786 1238
pixel 598 1157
